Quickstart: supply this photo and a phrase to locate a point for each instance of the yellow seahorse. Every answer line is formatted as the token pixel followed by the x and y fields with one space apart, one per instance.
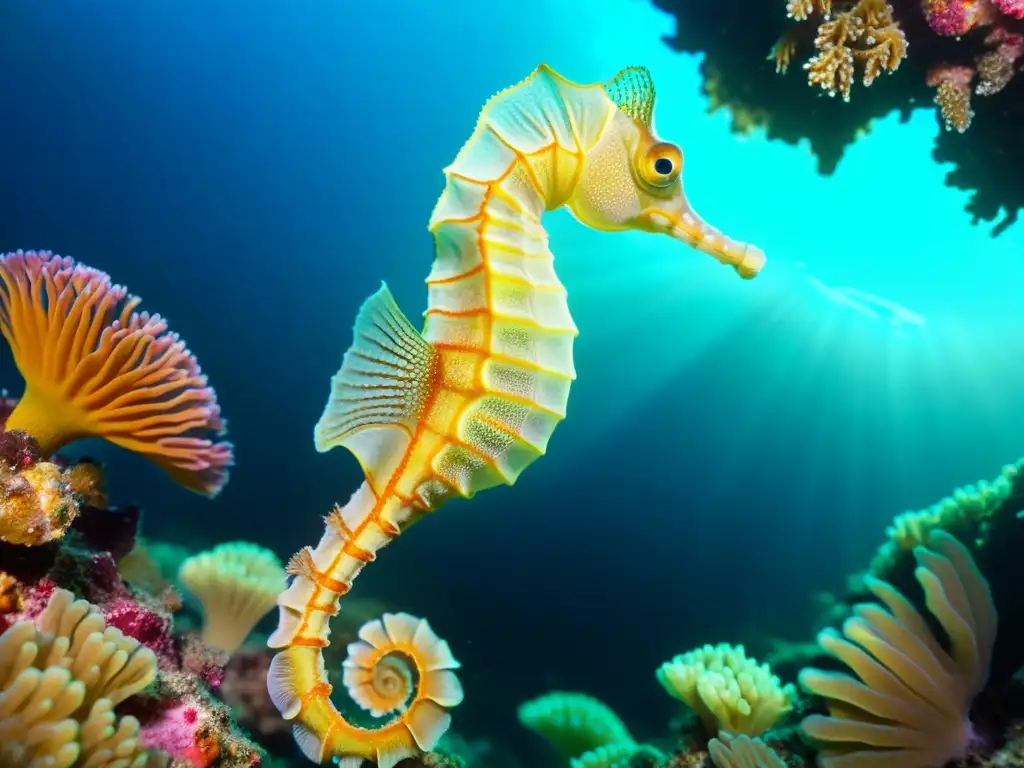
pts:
pixel 472 401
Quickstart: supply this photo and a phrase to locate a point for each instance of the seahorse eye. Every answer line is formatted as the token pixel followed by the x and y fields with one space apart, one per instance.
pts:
pixel 661 164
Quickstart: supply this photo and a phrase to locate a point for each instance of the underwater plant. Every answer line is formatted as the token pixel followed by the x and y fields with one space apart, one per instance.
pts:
pixel 909 705
pixel 237 583
pixel 473 400
pixel 95 367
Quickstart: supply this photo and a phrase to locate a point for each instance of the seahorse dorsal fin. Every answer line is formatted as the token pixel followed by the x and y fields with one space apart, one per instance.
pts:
pixel 379 392
pixel 632 91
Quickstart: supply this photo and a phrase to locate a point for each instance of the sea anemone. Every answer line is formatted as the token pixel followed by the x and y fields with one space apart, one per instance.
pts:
pixel 237 584
pixel 731 751
pixel 911 705
pixel 94 367
pixel 60 679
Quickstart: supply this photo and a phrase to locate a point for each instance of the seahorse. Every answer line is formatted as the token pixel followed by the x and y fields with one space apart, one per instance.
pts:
pixel 471 401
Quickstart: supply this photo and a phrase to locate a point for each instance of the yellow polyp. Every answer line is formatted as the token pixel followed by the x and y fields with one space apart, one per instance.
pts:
pixel 51 419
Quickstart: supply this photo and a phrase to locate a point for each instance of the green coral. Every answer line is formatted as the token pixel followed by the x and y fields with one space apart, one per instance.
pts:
pixel 575 724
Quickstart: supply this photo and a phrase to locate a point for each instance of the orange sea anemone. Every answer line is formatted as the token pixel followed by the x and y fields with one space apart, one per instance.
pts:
pixel 94 367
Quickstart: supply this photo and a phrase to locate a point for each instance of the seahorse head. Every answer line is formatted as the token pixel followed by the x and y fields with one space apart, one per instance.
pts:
pixel 632 180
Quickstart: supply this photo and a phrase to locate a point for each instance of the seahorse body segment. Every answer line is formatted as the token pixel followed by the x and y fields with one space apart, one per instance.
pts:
pixel 473 400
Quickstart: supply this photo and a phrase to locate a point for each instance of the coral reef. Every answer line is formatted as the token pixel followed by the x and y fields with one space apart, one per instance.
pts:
pixel 93 366
pixel 956 56
pixel 60 678
pixel 922 674
pixel 176 714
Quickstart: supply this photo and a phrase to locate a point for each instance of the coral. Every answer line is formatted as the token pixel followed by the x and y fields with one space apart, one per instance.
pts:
pixel 608 756
pixel 18 450
pixel 93 366
pixel 952 86
pixel 727 690
pixel 60 679
pixel 237 584
pixel 954 18
pixel 966 514
pixel 138 567
pixel 729 751
pixel 866 35
pixel 87 481
pixel 244 689
pixel 148 627
pixel 36 503
pixel 186 671
pixel 108 529
pixel 997 66
pixel 911 704
pixel 971 79
pixel 574 723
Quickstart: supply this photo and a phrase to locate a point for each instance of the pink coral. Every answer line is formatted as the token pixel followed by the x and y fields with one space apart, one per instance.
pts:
pixel 174 730
pixel 1014 8
pixel 954 18
pixel 997 66
pixel 148 627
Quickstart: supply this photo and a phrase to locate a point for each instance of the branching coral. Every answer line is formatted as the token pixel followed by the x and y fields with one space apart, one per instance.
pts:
pixel 730 751
pixel 59 681
pixel 574 723
pixel 237 584
pixel 865 35
pixel 910 706
pixel 727 690
pixel 93 366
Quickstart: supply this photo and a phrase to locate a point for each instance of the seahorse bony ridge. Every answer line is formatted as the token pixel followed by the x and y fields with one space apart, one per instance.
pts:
pixel 473 400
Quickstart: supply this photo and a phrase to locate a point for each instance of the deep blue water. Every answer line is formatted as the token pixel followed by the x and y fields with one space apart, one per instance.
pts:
pixel 253 170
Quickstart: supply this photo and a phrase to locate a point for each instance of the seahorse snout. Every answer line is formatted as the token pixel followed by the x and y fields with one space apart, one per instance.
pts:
pixel 691 229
